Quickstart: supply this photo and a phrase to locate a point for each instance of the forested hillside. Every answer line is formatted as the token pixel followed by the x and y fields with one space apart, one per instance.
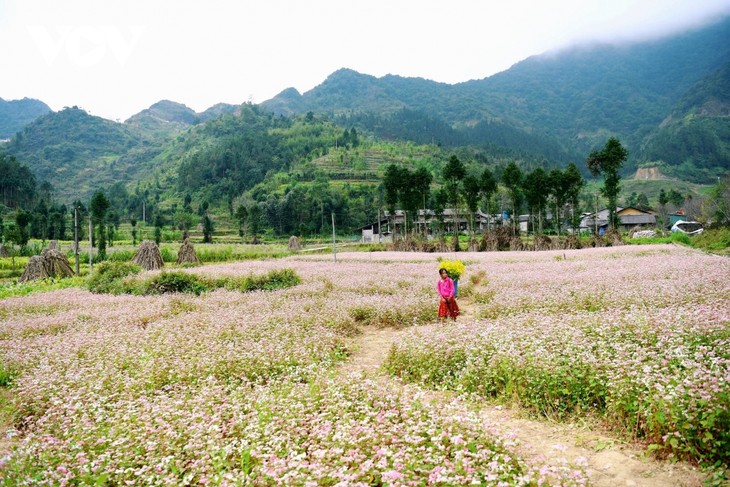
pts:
pixel 77 152
pixel 558 105
pixel 289 165
pixel 16 114
pixel 694 140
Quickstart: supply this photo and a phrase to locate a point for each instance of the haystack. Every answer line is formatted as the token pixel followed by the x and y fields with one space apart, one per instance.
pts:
pixel 614 237
pixel 186 254
pixel 56 262
pixel 35 270
pixel 516 244
pixel 572 242
pixel 51 263
pixel 148 256
pixel 543 242
pixel 294 244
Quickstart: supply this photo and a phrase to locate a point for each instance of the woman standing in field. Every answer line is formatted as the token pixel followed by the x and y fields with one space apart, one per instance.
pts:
pixel 447 302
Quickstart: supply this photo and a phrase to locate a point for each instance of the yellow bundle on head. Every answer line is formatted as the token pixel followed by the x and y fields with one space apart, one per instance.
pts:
pixel 455 268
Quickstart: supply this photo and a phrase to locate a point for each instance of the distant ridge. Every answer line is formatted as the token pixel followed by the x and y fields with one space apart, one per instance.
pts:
pixel 665 99
pixel 166 116
pixel 16 114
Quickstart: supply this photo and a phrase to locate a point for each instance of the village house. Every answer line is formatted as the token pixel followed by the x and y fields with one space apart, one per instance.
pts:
pixel 383 230
pixel 629 217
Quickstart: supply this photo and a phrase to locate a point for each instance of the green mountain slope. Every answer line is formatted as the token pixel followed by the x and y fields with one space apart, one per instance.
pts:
pixel 693 142
pixel 78 153
pixel 558 105
pixel 16 114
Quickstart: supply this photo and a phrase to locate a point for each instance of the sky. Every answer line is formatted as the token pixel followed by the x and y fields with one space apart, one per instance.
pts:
pixel 115 58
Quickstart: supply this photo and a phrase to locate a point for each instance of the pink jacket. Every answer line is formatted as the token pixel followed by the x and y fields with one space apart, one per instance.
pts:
pixel 446 287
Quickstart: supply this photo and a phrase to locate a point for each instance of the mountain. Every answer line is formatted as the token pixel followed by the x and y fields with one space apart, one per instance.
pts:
pixel 560 104
pixel 167 111
pixel 695 137
pixel 16 114
pixel 78 153
pixel 166 117
pixel 217 110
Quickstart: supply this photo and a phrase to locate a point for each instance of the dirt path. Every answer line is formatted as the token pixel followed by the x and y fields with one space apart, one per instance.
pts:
pixel 609 462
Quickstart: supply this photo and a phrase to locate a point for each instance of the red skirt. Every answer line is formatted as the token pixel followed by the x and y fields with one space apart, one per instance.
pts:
pixel 448 307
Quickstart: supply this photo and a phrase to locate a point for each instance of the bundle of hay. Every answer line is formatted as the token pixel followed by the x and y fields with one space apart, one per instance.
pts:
pixel 148 256
pixel 598 241
pixel 614 238
pixel 490 242
pixel 543 242
pixel 51 263
pixel 35 270
pixel 516 244
pixel 56 262
pixel 571 242
pixel 294 244
pixel 186 254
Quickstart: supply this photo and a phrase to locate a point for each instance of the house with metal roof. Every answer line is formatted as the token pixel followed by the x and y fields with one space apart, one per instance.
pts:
pixel 629 217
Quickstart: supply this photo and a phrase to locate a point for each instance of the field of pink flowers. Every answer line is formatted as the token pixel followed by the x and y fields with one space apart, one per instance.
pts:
pixel 232 388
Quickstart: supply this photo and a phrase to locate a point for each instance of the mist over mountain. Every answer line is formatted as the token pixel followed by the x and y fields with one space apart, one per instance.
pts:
pixel 561 104
pixel 667 100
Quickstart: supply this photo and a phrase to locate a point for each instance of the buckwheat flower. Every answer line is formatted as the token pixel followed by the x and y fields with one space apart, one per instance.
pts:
pixel 392 475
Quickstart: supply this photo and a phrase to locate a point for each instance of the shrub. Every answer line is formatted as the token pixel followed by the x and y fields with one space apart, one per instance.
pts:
pixel 108 277
pixel 678 237
pixel 6 376
pixel 174 282
pixel 275 279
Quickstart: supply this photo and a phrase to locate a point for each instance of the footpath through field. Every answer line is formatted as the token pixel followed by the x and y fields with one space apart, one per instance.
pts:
pixel 609 462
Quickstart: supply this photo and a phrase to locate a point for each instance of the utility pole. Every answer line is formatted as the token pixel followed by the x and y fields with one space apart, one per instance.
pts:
pixel 76 237
pixel 334 240
pixel 378 224
pixel 91 245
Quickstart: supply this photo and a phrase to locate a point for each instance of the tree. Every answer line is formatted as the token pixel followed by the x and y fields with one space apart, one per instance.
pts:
pixel 472 190
pixel 663 200
pixel 608 162
pixel 241 216
pixel 675 197
pixel 254 220
pixel 99 206
pixel 488 187
pixel 22 220
pixel 573 183
pixel 440 201
pixel 422 179
pixel 718 203
pixel 391 185
pixel 536 186
pixel 57 222
pixel 133 223
pixel 453 173
pixel 17 183
pixel 184 222
pixel 512 179
pixel 207 229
